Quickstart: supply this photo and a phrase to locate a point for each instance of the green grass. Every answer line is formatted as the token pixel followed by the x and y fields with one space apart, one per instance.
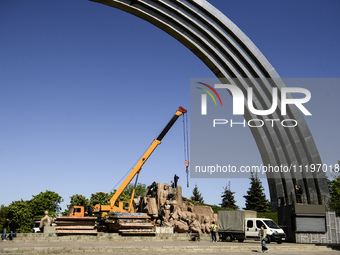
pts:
pixel 269 215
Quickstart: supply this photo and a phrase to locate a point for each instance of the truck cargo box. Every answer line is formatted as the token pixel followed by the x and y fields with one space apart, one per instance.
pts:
pixel 233 221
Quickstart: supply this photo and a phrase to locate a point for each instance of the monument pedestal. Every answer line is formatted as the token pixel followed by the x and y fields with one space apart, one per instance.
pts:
pixel 49 230
pixel 301 220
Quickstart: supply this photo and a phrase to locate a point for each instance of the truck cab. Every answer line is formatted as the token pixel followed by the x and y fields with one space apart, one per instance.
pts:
pixel 274 232
pixel 80 211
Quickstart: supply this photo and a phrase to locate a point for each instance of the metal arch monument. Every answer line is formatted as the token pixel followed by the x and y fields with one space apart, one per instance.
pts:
pixel 229 53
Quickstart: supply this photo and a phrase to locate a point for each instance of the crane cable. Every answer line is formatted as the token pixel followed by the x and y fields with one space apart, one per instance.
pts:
pixel 186 146
pixel 126 174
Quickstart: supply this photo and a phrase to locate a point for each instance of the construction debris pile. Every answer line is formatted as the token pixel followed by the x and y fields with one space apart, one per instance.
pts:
pixel 166 207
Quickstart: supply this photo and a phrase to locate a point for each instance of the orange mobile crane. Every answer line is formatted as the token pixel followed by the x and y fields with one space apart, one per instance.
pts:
pixel 112 218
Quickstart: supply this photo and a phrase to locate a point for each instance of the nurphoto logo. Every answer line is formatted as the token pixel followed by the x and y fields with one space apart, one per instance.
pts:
pixel 281 98
pixel 239 98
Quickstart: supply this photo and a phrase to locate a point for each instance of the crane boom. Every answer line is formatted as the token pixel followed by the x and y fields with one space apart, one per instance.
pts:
pixel 137 168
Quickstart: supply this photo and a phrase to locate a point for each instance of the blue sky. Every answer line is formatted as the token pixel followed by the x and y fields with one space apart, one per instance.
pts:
pixel 85 88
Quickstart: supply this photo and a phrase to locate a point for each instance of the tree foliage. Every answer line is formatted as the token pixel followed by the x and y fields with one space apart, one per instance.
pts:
pixel 76 199
pixel 46 201
pixel 196 195
pixel 228 198
pixel 25 212
pixel 126 194
pixel 334 189
pixel 101 198
pixel 22 211
pixel 255 198
pixel 3 213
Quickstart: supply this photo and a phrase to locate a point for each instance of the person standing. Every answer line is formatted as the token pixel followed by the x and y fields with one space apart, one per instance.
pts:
pixel 175 181
pixel 4 229
pixel 213 230
pixel 13 226
pixel 298 194
pixel 263 236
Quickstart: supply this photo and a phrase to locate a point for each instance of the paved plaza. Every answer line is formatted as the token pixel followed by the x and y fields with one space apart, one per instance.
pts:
pixel 149 246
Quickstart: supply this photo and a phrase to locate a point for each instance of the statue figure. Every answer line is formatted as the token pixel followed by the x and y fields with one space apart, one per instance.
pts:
pixel 205 226
pixel 152 207
pixel 166 208
pixel 45 221
pixel 167 211
pixel 173 204
pixel 195 226
pixel 163 192
pixel 180 226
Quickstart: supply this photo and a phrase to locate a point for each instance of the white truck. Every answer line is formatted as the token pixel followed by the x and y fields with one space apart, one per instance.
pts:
pixel 36 225
pixel 241 225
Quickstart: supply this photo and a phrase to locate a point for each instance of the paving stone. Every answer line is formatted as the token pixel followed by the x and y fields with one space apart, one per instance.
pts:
pixel 165 244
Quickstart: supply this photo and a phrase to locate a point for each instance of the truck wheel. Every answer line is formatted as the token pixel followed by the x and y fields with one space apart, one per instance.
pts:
pixel 240 240
pixel 229 238
pixel 268 239
pixel 222 237
pixel 279 241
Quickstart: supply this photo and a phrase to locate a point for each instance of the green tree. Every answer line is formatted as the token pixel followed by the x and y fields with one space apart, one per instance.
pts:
pixel 255 198
pixel 22 212
pixel 334 189
pixel 3 213
pixel 140 189
pixel 76 199
pixel 46 201
pixel 101 198
pixel 25 212
pixel 196 195
pixel 126 194
pixel 228 198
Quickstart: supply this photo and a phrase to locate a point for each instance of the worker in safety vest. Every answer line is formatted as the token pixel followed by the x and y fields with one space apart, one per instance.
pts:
pixel 213 230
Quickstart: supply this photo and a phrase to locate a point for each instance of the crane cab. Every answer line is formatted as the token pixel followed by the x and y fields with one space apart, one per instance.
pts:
pixel 80 211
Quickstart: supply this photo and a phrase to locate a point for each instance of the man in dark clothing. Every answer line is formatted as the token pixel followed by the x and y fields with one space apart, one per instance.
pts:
pixel 13 227
pixel 298 194
pixel 4 229
pixel 152 189
pixel 175 181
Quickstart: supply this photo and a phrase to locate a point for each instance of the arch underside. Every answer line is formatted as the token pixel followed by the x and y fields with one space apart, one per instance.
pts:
pixel 229 53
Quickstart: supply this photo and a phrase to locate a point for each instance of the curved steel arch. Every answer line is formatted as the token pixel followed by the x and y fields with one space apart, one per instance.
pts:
pixel 229 53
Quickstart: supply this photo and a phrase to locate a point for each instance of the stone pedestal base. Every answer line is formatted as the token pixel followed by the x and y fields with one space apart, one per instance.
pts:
pixel 49 230
pixel 164 230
